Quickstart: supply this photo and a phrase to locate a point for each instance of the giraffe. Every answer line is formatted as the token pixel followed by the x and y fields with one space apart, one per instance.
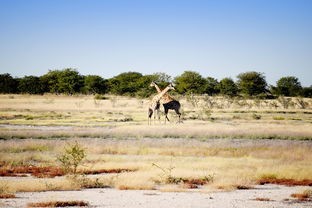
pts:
pixel 155 103
pixel 168 103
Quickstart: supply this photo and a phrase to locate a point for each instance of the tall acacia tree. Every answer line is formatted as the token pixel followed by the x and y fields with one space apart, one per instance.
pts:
pixel 31 85
pixel 251 83
pixel 190 82
pixel 227 87
pixel 94 84
pixel 288 86
pixel 125 83
pixel 212 86
pixel 8 84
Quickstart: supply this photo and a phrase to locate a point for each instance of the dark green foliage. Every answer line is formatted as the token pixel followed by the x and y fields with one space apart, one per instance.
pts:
pixel 190 82
pixel 212 86
pixel 69 81
pixel 8 84
pixel 30 84
pixel 94 84
pixel 162 79
pixel 288 86
pixel 125 83
pixel 50 81
pixel 251 83
pixel 228 87
pixel 307 92
pixel 144 82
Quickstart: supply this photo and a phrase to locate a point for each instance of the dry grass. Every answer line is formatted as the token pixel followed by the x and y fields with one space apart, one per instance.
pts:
pixel 34 130
pixel 122 117
pixel 230 164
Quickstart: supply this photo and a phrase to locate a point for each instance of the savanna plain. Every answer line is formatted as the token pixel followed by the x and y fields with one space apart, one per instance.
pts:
pixel 99 151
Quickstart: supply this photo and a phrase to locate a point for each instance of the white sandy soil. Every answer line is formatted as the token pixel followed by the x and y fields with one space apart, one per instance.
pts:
pixel 279 197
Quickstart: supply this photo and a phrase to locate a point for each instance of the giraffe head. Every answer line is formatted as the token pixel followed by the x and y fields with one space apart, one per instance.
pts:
pixel 153 84
pixel 171 86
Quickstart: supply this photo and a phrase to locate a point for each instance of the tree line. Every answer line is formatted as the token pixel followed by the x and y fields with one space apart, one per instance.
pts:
pixel 69 81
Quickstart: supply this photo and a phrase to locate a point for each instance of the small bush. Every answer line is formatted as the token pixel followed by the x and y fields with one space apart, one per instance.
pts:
pixel 71 158
pixel 256 116
pixel 100 97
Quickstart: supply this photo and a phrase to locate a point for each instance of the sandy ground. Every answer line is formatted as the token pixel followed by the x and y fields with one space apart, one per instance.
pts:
pixel 279 197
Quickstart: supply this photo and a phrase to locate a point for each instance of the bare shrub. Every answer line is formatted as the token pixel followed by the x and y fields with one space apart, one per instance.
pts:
pixel 285 102
pixel 192 99
pixel 301 103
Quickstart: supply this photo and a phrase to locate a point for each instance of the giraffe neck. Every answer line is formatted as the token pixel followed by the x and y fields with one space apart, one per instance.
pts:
pixel 159 96
pixel 157 88
pixel 166 98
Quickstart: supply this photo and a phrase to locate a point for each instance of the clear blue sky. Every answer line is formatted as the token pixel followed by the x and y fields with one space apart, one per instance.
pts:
pixel 218 38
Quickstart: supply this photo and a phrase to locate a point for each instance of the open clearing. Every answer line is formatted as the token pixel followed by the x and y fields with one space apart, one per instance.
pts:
pixel 217 157
pixel 262 196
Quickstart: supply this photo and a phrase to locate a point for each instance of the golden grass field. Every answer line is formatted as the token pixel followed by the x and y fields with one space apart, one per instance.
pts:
pixel 227 143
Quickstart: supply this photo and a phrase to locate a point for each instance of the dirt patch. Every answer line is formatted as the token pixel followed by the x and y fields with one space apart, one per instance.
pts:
pixel 39 172
pixel 304 196
pixel 112 198
pixel 51 171
pixel 262 199
pixel 101 171
pixel 194 183
pixel 285 181
pixel 243 187
pixel 59 204
pixel 7 196
pixel 188 183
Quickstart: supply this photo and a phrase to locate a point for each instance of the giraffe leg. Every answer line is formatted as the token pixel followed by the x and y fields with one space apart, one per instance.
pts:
pixel 154 116
pixel 158 115
pixel 150 113
pixel 166 115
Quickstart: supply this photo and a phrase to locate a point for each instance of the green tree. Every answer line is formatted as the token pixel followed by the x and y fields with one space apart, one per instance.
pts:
pixel 162 79
pixel 307 92
pixel 190 82
pixel 212 86
pixel 94 84
pixel 251 83
pixel 228 87
pixel 69 81
pixel 144 82
pixel 125 83
pixel 8 84
pixel 30 84
pixel 50 81
pixel 288 86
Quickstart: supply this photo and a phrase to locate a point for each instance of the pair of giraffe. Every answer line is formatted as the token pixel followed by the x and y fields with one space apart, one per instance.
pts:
pixel 167 101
